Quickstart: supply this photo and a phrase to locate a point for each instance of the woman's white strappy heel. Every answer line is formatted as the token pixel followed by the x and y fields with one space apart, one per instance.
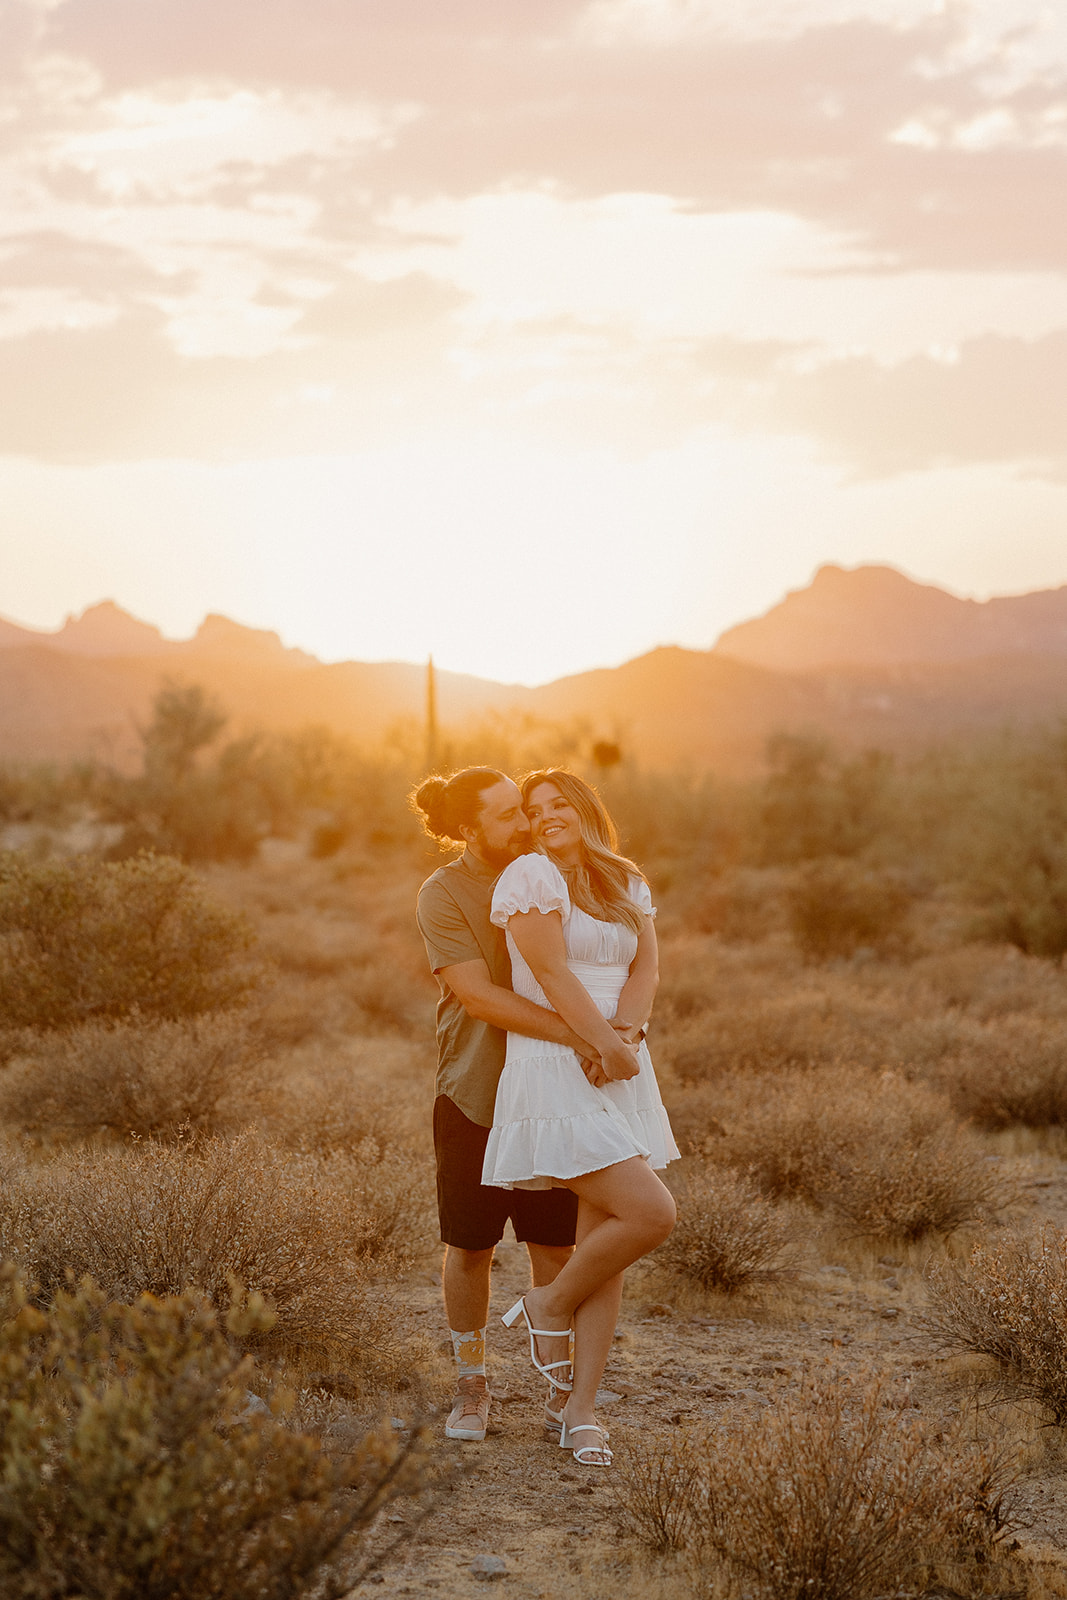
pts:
pixel 547 1369
pixel 586 1455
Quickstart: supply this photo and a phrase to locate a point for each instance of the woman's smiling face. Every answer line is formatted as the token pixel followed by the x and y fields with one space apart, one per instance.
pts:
pixel 554 823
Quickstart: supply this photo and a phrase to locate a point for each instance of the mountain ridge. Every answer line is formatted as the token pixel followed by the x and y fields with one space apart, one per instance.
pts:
pixel 670 709
pixel 875 615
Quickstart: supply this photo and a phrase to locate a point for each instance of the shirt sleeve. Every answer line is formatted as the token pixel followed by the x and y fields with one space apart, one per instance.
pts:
pixel 532 883
pixel 641 895
pixel 447 934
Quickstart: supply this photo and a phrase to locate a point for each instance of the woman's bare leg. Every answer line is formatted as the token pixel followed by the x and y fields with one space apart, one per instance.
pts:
pixel 594 1327
pixel 636 1214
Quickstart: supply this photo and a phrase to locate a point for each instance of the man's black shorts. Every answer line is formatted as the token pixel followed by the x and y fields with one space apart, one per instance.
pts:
pixel 472 1214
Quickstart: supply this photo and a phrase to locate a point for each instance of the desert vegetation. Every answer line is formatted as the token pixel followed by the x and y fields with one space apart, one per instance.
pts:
pixel 843 1375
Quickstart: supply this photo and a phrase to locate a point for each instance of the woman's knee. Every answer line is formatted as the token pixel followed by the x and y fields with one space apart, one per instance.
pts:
pixel 662 1215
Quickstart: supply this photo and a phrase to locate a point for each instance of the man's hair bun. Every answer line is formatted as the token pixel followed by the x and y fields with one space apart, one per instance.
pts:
pixel 447 805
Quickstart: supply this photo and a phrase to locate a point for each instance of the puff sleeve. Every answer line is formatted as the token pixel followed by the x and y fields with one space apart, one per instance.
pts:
pixel 641 895
pixel 532 883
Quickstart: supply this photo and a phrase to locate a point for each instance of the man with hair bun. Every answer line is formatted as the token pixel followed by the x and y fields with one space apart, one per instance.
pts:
pixel 481 810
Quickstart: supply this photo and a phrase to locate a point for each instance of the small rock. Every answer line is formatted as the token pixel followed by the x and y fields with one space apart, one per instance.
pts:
pixel 397 1423
pixel 604 1397
pixel 489 1567
pixel 836 1272
pixel 658 1309
pixel 754 1397
pixel 891 1283
pixel 890 1311
pixel 254 1406
pixel 890 1261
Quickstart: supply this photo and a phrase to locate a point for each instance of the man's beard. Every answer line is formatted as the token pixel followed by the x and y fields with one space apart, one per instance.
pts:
pixel 506 854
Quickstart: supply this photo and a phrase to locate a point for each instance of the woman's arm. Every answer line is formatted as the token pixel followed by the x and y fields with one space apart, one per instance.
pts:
pixel 538 935
pixel 639 990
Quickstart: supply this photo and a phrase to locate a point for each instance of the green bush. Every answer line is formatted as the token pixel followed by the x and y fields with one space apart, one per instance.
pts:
pixel 84 939
pixel 131 1469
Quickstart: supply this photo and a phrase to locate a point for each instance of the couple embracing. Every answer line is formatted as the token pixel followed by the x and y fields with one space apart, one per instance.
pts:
pixel 547 1110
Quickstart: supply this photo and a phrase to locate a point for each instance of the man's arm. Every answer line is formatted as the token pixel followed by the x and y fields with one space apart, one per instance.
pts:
pixel 476 992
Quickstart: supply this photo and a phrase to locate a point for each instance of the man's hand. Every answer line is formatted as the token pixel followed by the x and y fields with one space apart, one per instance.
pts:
pixel 593 1068
pixel 620 1062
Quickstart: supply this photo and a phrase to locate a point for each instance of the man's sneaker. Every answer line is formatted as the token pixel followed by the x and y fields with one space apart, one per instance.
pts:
pixel 469 1416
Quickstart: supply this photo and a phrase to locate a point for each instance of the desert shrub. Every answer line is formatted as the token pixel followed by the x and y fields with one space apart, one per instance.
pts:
pixel 158 1219
pixel 130 1468
pixel 83 939
pixel 160 1080
pixel 836 907
pixel 739 904
pixel 882 1154
pixel 815 802
pixel 832 1495
pixel 829 1494
pixel 728 1236
pixel 1015 1074
pixel 662 1501
pixel 1008 1300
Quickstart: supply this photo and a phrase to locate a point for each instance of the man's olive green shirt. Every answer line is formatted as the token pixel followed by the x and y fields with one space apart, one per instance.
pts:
pixel 453 917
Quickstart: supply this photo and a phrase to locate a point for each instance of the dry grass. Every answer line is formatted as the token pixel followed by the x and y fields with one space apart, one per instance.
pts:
pixel 728 1236
pixel 298 1230
pixel 1008 1301
pixel 830 1494
pixel 881 1154
pixel 160 1080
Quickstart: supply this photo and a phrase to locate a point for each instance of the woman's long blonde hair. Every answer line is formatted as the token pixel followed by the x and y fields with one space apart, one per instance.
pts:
pixel 600 884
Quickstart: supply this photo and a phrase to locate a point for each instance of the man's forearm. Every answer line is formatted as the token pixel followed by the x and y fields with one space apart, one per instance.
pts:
pixel 516 1014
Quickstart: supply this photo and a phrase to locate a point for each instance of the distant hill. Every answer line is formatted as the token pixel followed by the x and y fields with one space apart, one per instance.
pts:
pixel 875 616
pixel 86 688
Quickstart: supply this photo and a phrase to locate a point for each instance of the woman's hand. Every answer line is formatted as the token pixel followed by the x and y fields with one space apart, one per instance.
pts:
pixel 632 1032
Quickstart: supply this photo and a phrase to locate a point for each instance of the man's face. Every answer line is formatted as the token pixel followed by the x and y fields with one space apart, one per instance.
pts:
pixel 502 831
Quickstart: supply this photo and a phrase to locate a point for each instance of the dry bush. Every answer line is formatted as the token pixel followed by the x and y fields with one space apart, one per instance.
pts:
pixel 740 905
pixel 838 906
pixel 161 1219
pixel 662 1501
pixel 728 1236
pixel 1015 1074
pixel 130 1468
pixel 830 1494
pixel 880 1153
pixel 158 1080
pixel 85 940
pixel 986 982
pixel 1009 1301
pixel 723 1011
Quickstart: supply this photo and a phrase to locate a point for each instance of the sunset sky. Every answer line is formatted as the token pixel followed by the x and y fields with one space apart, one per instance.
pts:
pixel 534 333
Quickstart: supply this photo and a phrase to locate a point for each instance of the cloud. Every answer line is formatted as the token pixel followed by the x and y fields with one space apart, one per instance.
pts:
pixel 813 122
pixel 991 400
pixel 259 225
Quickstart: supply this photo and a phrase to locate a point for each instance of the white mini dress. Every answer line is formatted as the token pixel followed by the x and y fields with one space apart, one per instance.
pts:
pixel 549 1122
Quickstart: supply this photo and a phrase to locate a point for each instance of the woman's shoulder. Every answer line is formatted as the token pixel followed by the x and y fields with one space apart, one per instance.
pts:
pixel 529 883
pixel 641 894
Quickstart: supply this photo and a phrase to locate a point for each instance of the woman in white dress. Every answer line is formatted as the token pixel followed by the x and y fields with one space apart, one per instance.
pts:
pixel 579 922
